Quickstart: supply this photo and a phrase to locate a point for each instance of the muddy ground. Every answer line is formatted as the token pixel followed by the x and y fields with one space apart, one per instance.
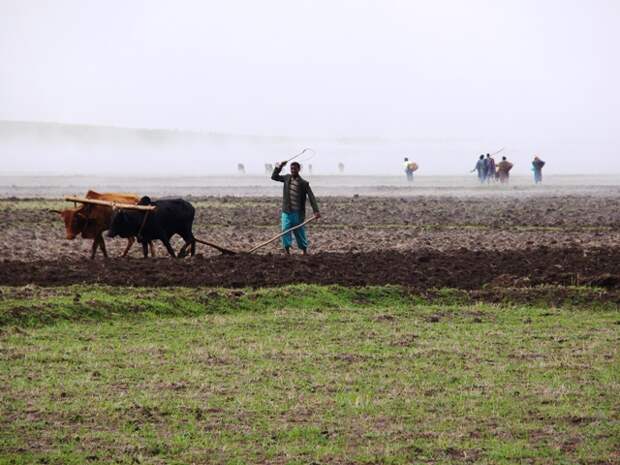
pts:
pixel 421 242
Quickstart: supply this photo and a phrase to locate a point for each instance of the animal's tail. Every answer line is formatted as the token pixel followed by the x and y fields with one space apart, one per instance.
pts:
pixel 215 246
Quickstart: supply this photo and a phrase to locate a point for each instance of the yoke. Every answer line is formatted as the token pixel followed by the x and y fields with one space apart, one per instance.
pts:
pixel 107 203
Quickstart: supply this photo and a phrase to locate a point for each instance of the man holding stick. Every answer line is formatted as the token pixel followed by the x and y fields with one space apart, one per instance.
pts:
pixel 296 190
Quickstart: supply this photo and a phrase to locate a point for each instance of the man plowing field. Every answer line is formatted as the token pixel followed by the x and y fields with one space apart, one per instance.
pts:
pixel 296 190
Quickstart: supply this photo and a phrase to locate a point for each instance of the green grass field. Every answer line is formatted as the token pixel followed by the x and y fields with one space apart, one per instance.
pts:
pixel 301 375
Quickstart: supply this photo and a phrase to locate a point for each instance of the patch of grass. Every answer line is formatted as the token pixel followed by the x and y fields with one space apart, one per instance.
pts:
pixel 306 374
pixel 34 306
pixel 568 297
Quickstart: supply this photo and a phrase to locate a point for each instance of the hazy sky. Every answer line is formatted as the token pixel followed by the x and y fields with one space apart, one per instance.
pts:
pixel 529 74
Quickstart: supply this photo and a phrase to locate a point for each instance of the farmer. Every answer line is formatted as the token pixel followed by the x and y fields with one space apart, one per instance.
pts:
pixel 503 169
pixel 537 166
pixel 490 165
pixel 296 189
pixel 410 167
pixel 481 168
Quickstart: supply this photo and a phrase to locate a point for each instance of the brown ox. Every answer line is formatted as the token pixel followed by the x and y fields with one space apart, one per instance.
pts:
pixel 92 220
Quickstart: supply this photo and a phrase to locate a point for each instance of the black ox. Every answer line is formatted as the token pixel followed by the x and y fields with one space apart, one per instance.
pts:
pixel 172 216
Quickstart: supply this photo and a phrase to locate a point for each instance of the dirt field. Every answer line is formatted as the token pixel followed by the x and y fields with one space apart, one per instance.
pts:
pixel 498 343
pixel 420 242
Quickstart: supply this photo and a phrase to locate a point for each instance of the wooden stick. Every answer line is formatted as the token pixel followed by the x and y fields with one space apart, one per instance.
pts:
pixel 107 203
pixel 282 234
pixel 215 246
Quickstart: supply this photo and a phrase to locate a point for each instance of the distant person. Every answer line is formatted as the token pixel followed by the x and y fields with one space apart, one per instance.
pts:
pixel 410 168
pixel 341 168
pixel 481 169
pixel 296 190
pixel 537 166
pixel 491 168
pixel 240 168
pixel 503 170
pixel 310 168
pixel 268 168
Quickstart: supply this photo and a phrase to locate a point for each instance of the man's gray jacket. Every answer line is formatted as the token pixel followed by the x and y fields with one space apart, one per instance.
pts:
pixel 305 192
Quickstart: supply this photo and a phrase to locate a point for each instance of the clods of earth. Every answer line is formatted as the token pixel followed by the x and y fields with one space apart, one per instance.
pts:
pixel 422 243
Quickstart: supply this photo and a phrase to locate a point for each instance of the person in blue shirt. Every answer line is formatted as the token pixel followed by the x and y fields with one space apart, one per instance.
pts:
pixel 481 168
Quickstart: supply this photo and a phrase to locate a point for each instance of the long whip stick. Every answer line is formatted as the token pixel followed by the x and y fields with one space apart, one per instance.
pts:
pixel 300 154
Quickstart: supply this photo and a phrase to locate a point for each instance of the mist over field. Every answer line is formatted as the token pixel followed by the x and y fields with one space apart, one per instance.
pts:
pixel 148 88
pixel 60 149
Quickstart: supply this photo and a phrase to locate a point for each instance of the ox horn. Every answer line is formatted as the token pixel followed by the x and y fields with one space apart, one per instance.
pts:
pixel 55 211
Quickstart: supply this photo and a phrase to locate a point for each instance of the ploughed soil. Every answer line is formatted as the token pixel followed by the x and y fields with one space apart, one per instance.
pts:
pixel 462 269
pixel 420 242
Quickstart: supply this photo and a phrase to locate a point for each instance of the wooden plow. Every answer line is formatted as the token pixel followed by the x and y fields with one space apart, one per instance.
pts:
pixel 278 236
pixel 145 208
pixel 150 208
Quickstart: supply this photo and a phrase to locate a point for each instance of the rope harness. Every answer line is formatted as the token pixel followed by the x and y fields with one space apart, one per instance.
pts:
pixel 139 236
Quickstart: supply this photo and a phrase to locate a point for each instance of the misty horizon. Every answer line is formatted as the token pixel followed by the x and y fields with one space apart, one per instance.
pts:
pixel 90 150
pixel 198 87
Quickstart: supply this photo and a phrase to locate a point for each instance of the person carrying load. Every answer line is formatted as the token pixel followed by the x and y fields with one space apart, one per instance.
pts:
pixel 410 168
